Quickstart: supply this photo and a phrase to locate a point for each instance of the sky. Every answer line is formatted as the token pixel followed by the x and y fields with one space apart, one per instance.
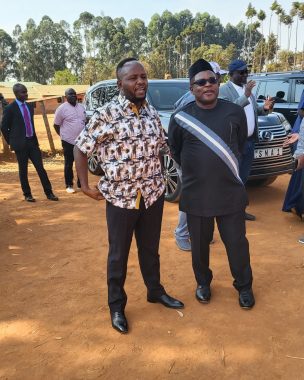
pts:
pixel 19 11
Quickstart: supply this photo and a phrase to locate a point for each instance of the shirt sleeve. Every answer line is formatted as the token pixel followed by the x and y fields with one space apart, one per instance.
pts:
pixel 58 116
pixel 95 132
pixel 175 139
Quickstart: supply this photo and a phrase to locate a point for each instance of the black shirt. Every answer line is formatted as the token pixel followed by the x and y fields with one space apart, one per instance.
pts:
pixel 209 188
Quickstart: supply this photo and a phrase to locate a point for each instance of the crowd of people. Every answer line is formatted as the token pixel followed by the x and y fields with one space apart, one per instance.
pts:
pixel 212 123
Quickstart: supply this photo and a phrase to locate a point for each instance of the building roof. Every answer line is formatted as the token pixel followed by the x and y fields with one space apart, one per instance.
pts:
pixel 38 91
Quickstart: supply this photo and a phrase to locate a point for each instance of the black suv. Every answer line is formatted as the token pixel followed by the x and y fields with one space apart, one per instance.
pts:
pixel 285 87
pixel 271 159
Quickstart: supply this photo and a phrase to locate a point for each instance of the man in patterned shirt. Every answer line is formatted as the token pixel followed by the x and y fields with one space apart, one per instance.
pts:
pixel 128 137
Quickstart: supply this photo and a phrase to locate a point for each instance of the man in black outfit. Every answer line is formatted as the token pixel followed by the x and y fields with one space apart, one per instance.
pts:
pixel 127 136
pixel 19 131
pixel 206 138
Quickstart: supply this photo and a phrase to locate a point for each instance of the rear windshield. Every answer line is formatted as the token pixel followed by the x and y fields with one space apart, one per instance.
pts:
pixel 163 95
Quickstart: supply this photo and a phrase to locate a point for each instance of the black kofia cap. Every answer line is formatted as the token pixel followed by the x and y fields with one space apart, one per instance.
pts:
pixel 198 66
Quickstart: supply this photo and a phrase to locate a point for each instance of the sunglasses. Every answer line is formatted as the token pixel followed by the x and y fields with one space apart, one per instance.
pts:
pixel 203 82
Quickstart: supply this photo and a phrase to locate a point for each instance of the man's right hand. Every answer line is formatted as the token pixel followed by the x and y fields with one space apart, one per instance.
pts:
pixel 248 88
pixel 291 139
pixel 93 193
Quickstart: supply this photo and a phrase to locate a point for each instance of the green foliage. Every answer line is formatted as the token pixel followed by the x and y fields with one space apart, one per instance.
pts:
pixel 94 71
pixel 64 77
pixel 7 53
pixel 215 53
pixel 167 45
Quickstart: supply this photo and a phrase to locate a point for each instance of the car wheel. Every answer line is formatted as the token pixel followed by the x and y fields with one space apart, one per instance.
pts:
pixel 94 166
pixel 172 181
pixel 262 182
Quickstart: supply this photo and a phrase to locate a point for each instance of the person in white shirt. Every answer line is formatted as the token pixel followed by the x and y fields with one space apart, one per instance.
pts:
pixel 69 121
pixel 239 91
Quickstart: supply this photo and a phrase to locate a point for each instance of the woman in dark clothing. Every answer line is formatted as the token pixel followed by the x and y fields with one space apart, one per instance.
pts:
pixel 294 198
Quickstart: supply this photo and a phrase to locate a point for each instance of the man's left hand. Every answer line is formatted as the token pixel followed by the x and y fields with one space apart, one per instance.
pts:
pixel 268 104
pixel 93 193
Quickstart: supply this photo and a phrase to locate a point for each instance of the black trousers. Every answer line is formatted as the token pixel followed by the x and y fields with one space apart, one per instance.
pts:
pixel 233 234
pixel 32 152
pixel 146 223
pixel 68 162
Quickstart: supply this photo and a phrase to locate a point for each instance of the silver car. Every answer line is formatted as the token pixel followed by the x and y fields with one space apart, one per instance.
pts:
pixel 271 158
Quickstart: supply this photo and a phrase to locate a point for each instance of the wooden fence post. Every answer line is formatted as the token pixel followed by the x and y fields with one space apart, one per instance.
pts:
pixel 47 127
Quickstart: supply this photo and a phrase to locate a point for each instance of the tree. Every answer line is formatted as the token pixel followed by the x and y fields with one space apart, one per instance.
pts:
pixel 7 56
pixel 296 12
pixel 155 64
pixel 234 34
pixel 288 20
pixel 94 71
pixel 41 50
pixel 215 53
pixel 75 58
pixel 64 77
pixel 136 33
pixel 250 13
pixel 84 26
pixel 272 47
pixel 273 8
pixel 261 17
pixel 279 12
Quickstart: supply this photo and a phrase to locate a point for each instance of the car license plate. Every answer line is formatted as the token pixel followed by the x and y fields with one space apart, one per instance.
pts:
pixel 269 152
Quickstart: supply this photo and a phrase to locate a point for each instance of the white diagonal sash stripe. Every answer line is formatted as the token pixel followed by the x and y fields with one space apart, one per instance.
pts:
pixel 233 165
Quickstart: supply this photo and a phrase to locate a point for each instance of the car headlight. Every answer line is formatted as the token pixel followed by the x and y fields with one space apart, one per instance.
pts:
pixel 285 123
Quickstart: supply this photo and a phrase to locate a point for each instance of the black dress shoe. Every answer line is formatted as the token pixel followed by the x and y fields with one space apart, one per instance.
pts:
pixel 203 294
pixel 119 322
pixel 246 299
pixel 249 216
pixel 52 197
pixel 29 198
pixel 167 301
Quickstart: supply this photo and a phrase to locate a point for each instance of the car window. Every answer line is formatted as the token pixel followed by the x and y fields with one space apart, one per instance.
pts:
pixel 299 89
pixel 272 87
pixel 164 95
pixel 98 97
pixel 259 90
pixel 110 93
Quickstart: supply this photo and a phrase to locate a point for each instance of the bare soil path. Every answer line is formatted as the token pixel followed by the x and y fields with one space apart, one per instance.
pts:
pixel 54 320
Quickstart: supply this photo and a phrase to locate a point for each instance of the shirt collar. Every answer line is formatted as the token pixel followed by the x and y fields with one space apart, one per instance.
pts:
pixel 125 103
pixel 19 103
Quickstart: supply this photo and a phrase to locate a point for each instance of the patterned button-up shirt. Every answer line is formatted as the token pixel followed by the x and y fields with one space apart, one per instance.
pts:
pixel 128 144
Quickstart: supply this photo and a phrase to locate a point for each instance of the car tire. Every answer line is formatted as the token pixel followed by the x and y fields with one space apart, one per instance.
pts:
pixel 262 182
pixel 94 166
pixel 173 183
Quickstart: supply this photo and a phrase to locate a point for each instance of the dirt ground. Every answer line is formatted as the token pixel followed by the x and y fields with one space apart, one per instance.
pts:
pixel 54 319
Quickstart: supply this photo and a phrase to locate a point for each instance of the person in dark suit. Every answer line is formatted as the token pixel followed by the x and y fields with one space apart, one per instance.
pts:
pixel 206 138
pixel 19 131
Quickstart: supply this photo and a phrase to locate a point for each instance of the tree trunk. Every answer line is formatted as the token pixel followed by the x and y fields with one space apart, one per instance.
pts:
pixel 268 47
pixel 296 47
